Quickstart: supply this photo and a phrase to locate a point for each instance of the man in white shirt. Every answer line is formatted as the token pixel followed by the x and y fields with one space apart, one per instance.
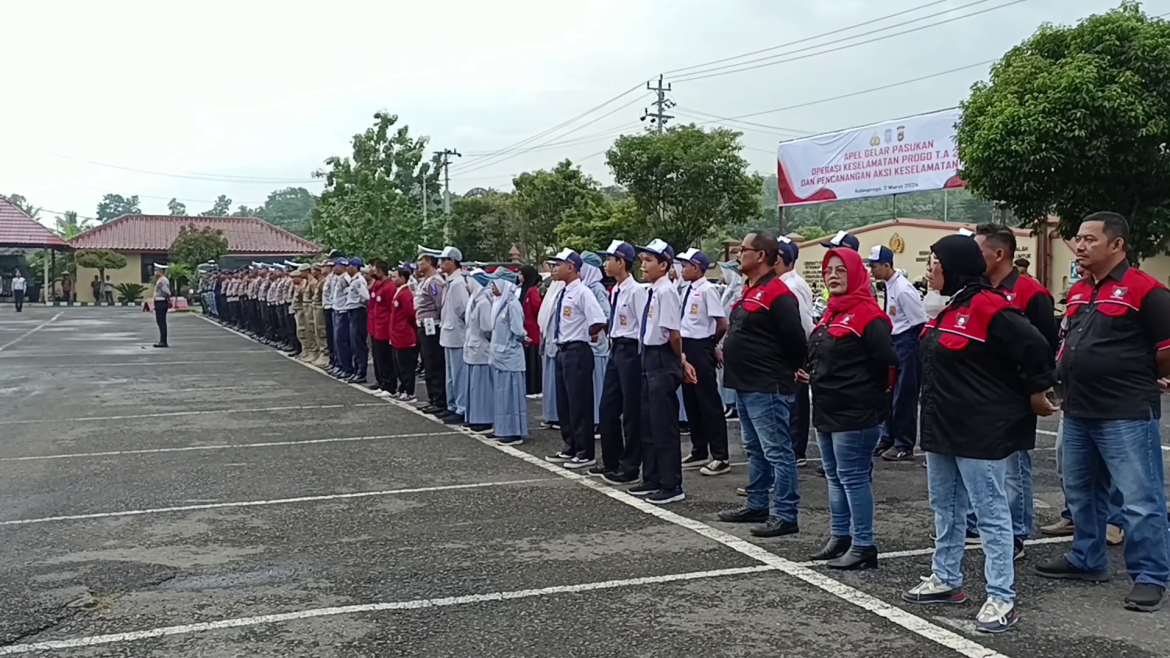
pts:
pixel 453 333
pixel 344 367
pixel 162 302
pixel 664 368
pixel 327 307
pixel 357 299
pixel 621 392
pixel 578 319
pixel 19 287
pixel 904 306
pixel 801 414
pixel 702 326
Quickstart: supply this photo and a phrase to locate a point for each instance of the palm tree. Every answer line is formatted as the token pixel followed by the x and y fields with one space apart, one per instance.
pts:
pixel 23 204
pixel 69 225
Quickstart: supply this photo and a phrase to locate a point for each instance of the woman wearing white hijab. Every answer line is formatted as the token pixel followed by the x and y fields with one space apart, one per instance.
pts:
pixel 591 277
pixel 510 408
pixel 476 349
pixel 732 292
pixel 548 307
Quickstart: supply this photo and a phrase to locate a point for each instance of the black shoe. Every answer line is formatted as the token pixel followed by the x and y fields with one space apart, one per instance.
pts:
pixel 692 461
pixel 479 428
pixel 374 387
pixel 596 471
pixel 1017 548
pixel 667 496
pixel 429 409
pixel 821 471
pixel 161 345
pixel 744 514
pixel 883 446
pixel 453 419
pixel 835 548
pixel 619 479
pixel 774 527
pixel 1061 568
pixel 642 490
pixel 684 428
pixel 1144 598
pixel 858 558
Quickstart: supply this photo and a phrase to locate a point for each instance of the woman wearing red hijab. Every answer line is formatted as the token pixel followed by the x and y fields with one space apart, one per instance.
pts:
pixel 851 370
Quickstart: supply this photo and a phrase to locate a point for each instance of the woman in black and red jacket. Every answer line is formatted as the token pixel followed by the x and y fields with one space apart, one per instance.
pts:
pixel 985 372
pixel 851 367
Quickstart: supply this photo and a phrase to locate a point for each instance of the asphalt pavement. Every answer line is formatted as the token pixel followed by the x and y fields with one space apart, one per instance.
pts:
pixel 217 499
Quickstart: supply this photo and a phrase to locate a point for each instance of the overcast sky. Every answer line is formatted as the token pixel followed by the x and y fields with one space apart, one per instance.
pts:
pixel 265 89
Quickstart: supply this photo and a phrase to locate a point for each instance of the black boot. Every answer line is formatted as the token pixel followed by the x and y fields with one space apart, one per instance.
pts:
pixel 858 558
pixel 836 547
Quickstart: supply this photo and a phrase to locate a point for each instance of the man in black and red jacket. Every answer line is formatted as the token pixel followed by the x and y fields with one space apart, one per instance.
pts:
pixel 1116 349
pixel 764 347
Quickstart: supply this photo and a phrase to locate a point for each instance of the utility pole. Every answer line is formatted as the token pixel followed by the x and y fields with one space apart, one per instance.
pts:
pixel 661 104
pixel 446 165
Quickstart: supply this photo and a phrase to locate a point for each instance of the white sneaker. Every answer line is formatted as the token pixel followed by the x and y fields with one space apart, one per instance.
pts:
pixel 996 616
pixel 580 462
pixel 534 396
pixel 933 590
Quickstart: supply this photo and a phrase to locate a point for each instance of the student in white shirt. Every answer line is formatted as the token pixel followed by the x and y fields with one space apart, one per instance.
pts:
pixel 702 326
pixel 664 367
pixel 19 286
pixel 802 406
pixel 904 306
pixel 344 352
pixel 621 393
pixel 577 320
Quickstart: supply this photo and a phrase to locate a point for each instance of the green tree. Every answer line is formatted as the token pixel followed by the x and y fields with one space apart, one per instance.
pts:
pixel 372 201
pixel 595 226
pixel 68 225
pixel 196 245
pixel 484 227
pixel 23 204
pixel 179 275
pixel 687 182
pixel 1076 120
pixel 176 208
pixel 291 209
pixel 545 199
pixel 221 208
pixel 113 206
pixel 101 260
pixel 812 232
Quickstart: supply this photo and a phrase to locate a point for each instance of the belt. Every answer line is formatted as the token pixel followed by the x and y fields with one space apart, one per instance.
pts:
pixel 626 341
pixel 650 348
pixel 572 343
pixel 708 339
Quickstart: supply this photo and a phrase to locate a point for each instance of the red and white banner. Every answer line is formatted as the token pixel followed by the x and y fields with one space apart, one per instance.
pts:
pixel 914 154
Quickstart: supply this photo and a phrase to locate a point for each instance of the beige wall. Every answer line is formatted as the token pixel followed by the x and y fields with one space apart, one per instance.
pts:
pixel 132 273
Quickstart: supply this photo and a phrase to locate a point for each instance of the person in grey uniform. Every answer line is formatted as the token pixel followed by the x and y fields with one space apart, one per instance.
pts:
pixel 428 308
pixel 162 302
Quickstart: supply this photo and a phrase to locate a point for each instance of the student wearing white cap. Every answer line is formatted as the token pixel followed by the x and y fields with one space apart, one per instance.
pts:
pixel 453 332
pixel 621 396
pixel 162 302
pixel 664 368
pixel 576 323
pixel 702 326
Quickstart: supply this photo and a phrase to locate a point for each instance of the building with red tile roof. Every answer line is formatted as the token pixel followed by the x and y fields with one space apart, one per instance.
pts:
pixel 146 239
pixel 18 230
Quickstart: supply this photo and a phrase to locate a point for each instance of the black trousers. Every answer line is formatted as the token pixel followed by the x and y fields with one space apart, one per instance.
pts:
pixel 357 341
pixel 19 296
pixel 329 336
pixel 385 371
pixel 798 420
pixel 575 398
pixel 435 364
pixel 703 402
pixel 160 317
pixel 662 446
pixel 621 409
pixel 533 370
pixel 405 362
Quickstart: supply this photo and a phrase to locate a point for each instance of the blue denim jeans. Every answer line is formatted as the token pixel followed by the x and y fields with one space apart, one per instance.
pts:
pixel 953 481
pixel 764 426
pixel 1114 494
pixel 848 461
pixel 1127 453
pixel 1021 497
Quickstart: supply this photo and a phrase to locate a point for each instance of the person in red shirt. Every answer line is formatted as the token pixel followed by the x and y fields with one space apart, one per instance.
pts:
pixel 382 291
pixel 403 335
pixel 530 301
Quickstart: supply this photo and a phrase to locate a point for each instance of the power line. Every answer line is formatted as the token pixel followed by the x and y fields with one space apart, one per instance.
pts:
pixel 204 177
pixel 775 130
pixel 807 39
pixel 523 142
pixel 701 75
pixel 508 156
pixel 584 139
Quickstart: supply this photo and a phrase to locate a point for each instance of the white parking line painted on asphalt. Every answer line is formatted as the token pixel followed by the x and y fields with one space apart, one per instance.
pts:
pixel 417 604
pixel 913 623
pixel 918 552
pixel 277 501
pixel 147 362
pixel 203 412
pixel 223 446
pixel 121 351
pixel 30 332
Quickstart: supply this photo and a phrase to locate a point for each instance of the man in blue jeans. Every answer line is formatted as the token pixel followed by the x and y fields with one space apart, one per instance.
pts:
pixel 764 347
pixel 1114 353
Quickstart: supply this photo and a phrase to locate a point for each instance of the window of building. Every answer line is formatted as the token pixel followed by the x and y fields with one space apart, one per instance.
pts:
pixel 148 262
